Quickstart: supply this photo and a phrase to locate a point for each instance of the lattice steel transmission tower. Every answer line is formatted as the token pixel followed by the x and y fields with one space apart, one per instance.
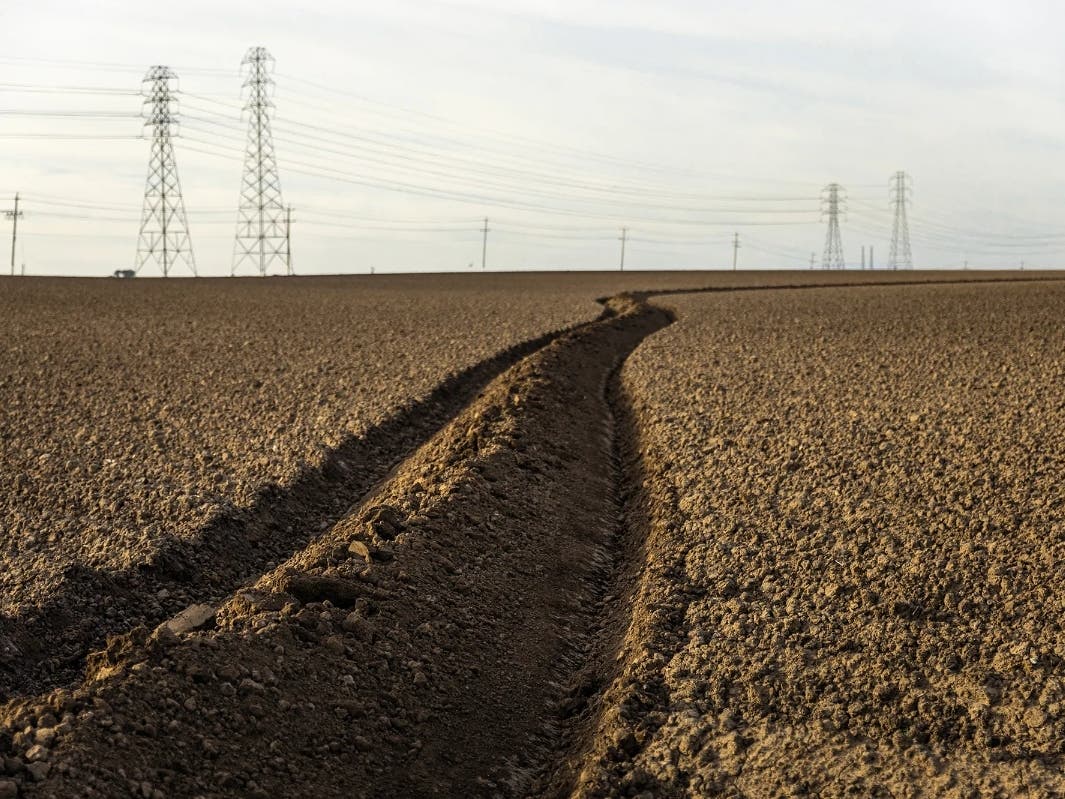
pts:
pixel 164 234
pixel 833 201
pixel 900 256
pixel 261 230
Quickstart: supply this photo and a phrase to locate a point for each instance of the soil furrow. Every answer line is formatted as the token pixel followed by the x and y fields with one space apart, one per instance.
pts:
pixel 854 551
pixel 45 646
pixel 422 646
pixel 489 620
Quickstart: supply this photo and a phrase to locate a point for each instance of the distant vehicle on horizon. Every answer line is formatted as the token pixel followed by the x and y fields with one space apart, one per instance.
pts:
pixel 124 273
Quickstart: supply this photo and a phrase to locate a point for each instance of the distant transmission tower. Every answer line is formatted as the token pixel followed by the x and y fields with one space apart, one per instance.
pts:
pixel 833 200
pixel 901 193
pixel 164 235
pixel 261 230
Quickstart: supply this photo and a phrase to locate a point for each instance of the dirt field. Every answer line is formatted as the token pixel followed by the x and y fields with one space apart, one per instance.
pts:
pixel 856 549
pixel 798 546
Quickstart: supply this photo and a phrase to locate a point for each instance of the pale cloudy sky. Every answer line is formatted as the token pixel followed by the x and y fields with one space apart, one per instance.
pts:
pixel 400 125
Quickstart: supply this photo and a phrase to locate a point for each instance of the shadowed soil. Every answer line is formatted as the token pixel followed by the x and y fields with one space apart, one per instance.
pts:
pixel 802 543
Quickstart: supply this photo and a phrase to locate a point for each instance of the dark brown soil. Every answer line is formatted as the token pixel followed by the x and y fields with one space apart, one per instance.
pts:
pixel 401 588
pixel 419 648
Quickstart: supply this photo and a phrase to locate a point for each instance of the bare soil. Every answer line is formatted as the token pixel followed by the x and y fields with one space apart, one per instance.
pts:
pixel 452 553
pixel 855 552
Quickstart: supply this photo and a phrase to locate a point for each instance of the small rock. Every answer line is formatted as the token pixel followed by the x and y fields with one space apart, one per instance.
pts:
pixel 36 753
pixel 47 720
pixel 359 550
pixel 191 618
pixel 8 789
pixel 190 703
pixel 385 522
pixel 45 736
pixel 357 624
pixel 248 685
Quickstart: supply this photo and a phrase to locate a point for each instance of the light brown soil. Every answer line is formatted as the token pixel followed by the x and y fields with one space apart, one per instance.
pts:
pixel 856 555
pixel 506 613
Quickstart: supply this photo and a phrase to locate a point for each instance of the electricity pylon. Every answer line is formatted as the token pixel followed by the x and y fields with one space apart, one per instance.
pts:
pixel 833 200
pixel 164 234
pixel 261 229
pixel 900 256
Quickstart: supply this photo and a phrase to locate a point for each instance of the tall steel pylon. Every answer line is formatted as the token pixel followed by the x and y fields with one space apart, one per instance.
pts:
pixel 833 201
pixel 164 234
pixel 900 256
pixel 261 230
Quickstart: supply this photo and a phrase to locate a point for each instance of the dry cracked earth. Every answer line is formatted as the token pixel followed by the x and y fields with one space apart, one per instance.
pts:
pixel 742 535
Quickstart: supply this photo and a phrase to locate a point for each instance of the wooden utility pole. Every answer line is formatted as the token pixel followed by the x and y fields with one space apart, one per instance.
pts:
pixel 14 217
pixel 624 237
pixel 735 250
pixel 484 245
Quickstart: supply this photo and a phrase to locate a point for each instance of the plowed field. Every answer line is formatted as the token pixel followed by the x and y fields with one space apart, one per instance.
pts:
pixel 484 536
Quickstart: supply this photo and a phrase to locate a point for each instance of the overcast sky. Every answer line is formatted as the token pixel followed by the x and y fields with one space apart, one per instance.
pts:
pixel 400 126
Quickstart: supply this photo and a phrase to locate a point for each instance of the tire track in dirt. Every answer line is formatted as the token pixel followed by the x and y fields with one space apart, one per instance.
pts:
pixel 45 647
pixel 612 752
pixel 419 647
pixel 460 632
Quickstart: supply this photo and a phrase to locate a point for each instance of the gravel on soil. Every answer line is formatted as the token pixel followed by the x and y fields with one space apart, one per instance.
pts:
pixel 855 549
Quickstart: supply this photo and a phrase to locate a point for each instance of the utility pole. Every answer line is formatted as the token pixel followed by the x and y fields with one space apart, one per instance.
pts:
pixel 261 234
pixel 736 250
pixel 288 240
pixel 164 234
pixel 899 256
pixel 863 256
pixel 833 200
pixel 813 259
pixel 624 236
pixel 484 245
pixel 14 217
pixel 871 265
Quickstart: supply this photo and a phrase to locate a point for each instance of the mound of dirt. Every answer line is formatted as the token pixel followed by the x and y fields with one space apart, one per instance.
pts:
pixel 420 647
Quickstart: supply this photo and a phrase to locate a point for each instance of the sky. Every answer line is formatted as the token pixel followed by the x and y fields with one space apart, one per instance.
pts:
pixel 399 127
